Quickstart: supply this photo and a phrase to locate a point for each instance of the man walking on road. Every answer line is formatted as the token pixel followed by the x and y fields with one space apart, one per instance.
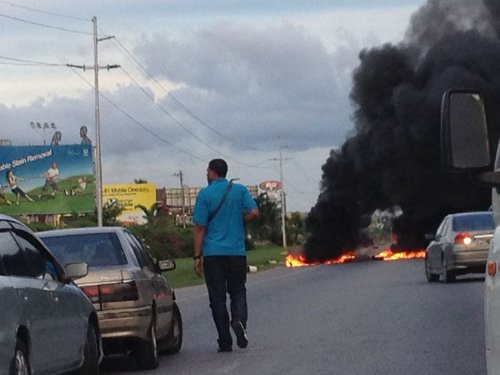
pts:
pixel 219 237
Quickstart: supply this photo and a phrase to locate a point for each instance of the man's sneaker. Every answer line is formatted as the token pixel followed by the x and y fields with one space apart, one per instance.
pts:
pixel 241 335
pixel 225 349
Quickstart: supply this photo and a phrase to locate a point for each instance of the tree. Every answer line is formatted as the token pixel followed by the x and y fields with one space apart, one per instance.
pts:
pixel 267 227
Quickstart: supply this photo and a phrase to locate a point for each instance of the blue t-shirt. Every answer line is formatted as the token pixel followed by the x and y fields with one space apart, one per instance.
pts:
pixel 225 233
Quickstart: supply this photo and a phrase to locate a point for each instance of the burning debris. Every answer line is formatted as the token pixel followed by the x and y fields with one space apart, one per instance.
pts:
pixel 393 157
pixel 299 260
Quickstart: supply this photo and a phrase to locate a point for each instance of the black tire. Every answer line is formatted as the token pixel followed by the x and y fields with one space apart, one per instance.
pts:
pixel 173 342
pixel 449 275
pixel 91 362
pixel 20 363
pixel 431 277
pixel 146 351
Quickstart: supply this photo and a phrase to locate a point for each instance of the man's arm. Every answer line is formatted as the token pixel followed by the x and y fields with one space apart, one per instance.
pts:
pixel 250 215
pixel 199 234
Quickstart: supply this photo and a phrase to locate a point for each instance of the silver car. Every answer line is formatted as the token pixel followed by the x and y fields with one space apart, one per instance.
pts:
pixel 460 246
pixel 48 325
pixel 135 304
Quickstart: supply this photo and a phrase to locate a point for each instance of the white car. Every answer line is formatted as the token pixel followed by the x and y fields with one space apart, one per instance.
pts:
pixel 48 325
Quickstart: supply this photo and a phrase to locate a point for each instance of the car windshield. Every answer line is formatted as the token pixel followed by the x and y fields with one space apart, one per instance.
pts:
pixel 483 221
pixel 95 249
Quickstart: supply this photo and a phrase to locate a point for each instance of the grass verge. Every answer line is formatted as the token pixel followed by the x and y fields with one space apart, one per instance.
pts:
pixel 263 258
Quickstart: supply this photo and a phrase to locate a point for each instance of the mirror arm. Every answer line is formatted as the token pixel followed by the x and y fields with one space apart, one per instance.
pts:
pixel 491 178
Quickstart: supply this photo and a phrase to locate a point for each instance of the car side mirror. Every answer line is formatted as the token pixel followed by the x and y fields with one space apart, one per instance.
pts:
pixel 166 265
pixel 430 236
pixel 76 270
pixel 464 132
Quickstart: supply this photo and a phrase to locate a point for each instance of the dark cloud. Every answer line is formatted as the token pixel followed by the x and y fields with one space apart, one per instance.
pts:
pixel 258 84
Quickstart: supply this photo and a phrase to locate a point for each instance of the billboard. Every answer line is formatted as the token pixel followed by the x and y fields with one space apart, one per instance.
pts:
pixel 129 196
pixel 46 179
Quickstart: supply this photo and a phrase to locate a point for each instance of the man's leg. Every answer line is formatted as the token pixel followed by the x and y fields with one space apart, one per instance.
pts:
pixel 238 293
pixel 213 267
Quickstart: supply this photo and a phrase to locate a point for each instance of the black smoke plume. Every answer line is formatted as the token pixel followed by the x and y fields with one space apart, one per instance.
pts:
pixel 393 157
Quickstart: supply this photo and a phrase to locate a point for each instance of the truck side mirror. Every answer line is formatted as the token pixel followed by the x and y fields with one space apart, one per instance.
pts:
pixel 464 132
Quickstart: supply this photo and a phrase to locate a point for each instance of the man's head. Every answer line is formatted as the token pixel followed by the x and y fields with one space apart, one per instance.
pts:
pixel 217 168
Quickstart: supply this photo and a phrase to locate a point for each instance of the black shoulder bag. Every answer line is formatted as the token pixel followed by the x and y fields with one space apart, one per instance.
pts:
pixel 212 214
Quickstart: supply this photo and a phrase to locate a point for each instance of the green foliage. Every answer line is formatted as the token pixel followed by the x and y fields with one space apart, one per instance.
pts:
pixel 163 239
pixel 295 228
pixel 267 227
pixel 110 213
pixel 263 257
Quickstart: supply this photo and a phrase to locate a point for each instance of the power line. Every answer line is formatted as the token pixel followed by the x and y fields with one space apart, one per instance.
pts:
pixel 43 12
pixel 138 122
pixel 44 25
pixel 180 123
pixel 30 62
pixel 177 101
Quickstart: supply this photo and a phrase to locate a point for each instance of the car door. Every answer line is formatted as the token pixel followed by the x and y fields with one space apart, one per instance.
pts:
pixel 435 248
pixel 66 326
pixel 10 316
pixel 36 305
pixel 162 292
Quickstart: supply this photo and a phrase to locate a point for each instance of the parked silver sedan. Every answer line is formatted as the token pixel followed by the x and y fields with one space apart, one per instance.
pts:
pixel 460 246
pixel 47 325
pixel 135 304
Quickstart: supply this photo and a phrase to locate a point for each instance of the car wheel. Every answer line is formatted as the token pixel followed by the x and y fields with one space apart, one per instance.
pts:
pixel 173 342
pixel 146 352
pixel 449 275
pixel 20 364
pixel 91 355
pixel 431 277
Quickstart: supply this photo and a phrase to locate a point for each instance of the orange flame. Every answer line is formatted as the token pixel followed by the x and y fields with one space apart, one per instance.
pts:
pixel 295 260
pixel 388 255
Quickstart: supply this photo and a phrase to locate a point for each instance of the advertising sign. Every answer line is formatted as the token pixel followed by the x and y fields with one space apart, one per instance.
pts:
pixel 46 179
pixel 270 185
pixel 129 196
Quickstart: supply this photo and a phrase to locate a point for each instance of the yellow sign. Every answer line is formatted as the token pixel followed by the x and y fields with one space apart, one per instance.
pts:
pixel 129 196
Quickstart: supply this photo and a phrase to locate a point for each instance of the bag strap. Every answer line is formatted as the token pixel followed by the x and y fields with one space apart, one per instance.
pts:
pixel 212 214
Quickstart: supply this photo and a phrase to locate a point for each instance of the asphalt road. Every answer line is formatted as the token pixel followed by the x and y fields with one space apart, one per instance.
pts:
pixel 358 318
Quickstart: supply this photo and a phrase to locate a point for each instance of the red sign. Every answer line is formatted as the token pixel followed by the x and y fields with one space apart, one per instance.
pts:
pixel 270 185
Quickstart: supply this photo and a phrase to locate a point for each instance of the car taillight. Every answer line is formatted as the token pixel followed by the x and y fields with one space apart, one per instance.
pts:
pixel 118 292
pixel 112 292
pixel 92 292
pixel 492 268
pixel 463 238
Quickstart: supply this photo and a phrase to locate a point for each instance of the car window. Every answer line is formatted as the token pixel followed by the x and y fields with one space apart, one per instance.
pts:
pixel 12 259
pixel 136 249
pixel 482 221
pixel 142 255
pixel 38 264
pixel 440 230
pixel 95 249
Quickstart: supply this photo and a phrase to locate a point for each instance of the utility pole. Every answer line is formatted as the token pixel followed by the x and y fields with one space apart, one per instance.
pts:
pixel 98 164
pixel 282 195
pixel 183 199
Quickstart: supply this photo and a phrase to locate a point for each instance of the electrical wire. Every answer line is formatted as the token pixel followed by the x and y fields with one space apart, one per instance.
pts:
pixel 45 25
pixel 42 11
pixel 162 109
pixel 138 122
pixel 177 101
pixel 30 62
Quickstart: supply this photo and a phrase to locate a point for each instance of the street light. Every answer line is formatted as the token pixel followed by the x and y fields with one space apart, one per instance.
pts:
pixel 43 127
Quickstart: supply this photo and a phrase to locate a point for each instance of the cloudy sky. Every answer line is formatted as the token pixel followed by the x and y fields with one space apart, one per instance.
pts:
pixel 198 79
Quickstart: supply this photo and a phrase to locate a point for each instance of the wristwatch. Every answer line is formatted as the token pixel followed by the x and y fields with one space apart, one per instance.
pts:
pixel 197 257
